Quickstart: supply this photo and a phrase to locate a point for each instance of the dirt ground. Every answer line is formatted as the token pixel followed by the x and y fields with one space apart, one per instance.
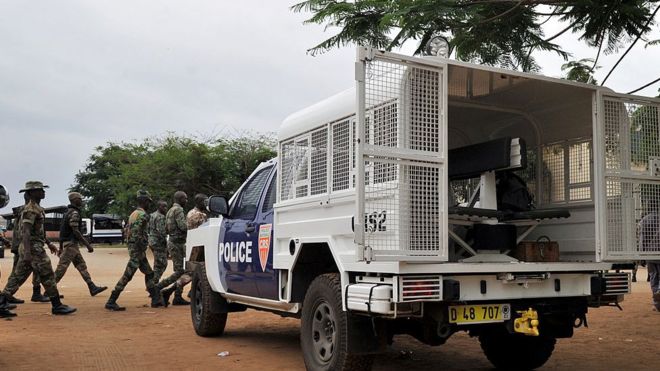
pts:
pixel 146 338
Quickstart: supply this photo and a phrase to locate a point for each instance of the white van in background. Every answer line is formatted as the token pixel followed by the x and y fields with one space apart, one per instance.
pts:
pixel 103 228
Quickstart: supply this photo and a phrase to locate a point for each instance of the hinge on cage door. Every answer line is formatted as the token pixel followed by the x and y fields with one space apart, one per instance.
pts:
pixel 368 254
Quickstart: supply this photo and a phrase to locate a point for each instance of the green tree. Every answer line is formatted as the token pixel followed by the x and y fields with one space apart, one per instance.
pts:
pixel 103 165
pixel 581 71
pixel 164 165
pixel 494 32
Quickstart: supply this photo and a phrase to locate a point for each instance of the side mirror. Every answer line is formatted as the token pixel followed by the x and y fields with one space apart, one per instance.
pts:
pixel 218 205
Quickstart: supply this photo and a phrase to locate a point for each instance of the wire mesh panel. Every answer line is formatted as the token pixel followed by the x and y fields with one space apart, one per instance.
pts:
pixel 567 172
pixel 287 153
pixel 319 162
pixel 631 199
pixel 341 155
pixel 294 181
pixel 402 154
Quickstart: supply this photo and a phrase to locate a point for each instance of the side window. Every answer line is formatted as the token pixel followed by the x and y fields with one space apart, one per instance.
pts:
pixel 246 205
pixel 269 201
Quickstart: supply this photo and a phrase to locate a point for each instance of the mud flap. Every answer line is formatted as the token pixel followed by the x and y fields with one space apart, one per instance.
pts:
pixel 366 335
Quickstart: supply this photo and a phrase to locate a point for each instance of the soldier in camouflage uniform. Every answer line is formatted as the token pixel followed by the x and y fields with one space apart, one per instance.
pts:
pixel 32 255
pixel 5 308
pixel 177 229
pixel 137 240
pixel 37 297
pixel 70 239
pixel 158 239
pixel 195 217
pixel 198 215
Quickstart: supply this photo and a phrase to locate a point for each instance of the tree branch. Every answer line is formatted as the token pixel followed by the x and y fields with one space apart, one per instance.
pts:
pixel 631 45
pixel 643 87
pixel 516 6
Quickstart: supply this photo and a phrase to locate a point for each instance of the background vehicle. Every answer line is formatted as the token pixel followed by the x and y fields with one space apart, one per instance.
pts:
pixel 52 223
pixel 382 214
pixel 105 228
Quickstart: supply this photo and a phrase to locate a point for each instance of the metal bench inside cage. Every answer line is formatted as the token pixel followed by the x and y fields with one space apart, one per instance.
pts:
pixel 497 231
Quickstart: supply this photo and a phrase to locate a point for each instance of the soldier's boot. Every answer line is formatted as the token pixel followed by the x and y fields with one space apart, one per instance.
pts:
pixel 112 302
pixel 94 290
pixel 166 293
pixel 6 313
pixel 179 300
pixel 37 297
pixel 5 308
pixel 13 300
pixel 59 308
pixel 156 298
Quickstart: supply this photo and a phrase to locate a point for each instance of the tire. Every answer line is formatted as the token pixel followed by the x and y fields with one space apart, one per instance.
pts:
pixel 205 322
pixel 508 351
pixel 324 329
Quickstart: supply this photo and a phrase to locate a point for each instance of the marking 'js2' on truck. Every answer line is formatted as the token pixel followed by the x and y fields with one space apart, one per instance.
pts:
pixel 434 197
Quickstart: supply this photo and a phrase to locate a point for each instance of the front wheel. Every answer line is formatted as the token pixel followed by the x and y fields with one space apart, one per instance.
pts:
pixel 324 328
pixel 508 351
pixel 205 321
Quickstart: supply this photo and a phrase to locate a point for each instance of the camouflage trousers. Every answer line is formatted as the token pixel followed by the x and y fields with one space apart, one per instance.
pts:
pixel 137 260
pixel 36 282
pixel 177 251
pixel 40 266
pixel 71 254
pixel 160 260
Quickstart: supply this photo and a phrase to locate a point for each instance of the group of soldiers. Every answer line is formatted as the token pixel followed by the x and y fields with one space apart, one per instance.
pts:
pixel 164 231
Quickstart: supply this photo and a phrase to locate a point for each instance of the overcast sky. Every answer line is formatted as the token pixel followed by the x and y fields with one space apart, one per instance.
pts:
pixel 75 74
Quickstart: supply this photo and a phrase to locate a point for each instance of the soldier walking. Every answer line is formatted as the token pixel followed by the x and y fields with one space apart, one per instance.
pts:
pixel 32 255
pixel 177 229
pixel 37 297
pixel 5 308
pixel 70 240
pixel 137 240
pixel 158 239
pixel 195 217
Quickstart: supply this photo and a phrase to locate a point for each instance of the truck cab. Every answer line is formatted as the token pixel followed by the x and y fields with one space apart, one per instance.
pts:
pixel 385 213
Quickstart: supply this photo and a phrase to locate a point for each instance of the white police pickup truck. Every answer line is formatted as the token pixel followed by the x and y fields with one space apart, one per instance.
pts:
pixel 386 213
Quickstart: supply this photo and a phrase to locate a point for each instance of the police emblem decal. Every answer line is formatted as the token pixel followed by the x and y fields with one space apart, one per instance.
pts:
pixel 264 244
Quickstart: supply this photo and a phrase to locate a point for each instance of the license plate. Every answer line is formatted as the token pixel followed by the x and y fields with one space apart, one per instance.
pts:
pixel 481 313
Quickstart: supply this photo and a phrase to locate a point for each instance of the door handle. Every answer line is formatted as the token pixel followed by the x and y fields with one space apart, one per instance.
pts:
pixel 249 228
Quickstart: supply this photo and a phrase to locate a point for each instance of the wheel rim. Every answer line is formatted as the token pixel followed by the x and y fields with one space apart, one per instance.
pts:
pixel 198 303
pixel 323 332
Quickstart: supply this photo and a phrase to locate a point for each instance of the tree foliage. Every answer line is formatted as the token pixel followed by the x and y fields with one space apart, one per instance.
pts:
pixel 581 71
pixel 162 166
pixel 495 32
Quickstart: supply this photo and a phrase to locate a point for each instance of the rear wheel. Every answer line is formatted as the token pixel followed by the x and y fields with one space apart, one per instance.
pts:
pixel 508 351
pixel 205 321
pixel 324 328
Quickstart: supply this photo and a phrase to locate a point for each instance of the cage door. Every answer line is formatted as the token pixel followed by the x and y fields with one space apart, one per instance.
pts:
pixel 627 169
pixel 401 151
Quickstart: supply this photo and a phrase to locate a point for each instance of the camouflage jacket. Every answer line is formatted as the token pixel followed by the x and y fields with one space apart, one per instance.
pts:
pixel 157 233
pixel 195 218
pixel 137 228
pixel 175 223
pixel 33 214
